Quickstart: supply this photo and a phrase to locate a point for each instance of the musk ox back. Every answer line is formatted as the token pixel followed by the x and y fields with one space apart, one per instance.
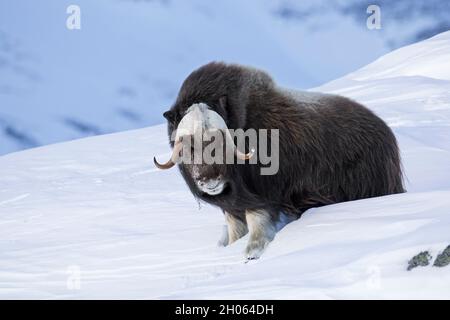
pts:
pixel 330 149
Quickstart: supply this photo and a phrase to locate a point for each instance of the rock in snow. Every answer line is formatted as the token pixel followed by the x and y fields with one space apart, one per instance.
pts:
pixel 443 259
pixel 420 260
pixel 93 218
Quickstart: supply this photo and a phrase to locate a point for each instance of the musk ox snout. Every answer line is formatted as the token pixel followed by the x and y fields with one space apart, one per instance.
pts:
pixel 213 186
pixel 208 179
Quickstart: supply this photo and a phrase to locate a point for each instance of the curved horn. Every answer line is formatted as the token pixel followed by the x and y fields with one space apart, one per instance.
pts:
pixel 239 154
pixel 173 159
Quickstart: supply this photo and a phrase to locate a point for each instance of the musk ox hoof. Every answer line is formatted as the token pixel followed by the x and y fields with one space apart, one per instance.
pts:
pixel 255 249
pixel 224 239
pixel 222 243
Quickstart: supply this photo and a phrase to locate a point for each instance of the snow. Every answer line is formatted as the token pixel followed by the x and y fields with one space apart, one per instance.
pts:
pixel 93 218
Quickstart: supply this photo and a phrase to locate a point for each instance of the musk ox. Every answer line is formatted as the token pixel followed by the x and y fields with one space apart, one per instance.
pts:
pixel 331 149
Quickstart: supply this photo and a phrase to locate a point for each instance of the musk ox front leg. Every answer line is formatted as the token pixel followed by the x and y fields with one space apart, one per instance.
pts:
pixel 235 229
pixel 262 228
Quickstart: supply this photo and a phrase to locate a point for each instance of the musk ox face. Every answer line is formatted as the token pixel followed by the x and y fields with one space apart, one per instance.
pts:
pixel 203 147
pixel 208 179
pixel 206 171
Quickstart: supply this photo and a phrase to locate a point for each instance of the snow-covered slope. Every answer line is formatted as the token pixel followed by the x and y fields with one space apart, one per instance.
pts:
pixel 94 218
pixel 124 67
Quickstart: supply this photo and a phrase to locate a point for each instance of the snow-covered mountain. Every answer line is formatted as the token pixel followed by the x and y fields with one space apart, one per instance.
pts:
pixel 93 218
pixel 402 21
pixel 126 63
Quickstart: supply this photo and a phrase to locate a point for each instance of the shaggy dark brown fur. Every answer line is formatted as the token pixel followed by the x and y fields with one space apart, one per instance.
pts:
pixel 332 149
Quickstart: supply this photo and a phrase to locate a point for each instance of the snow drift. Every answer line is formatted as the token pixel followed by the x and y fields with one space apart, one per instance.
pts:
pixel 94 218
